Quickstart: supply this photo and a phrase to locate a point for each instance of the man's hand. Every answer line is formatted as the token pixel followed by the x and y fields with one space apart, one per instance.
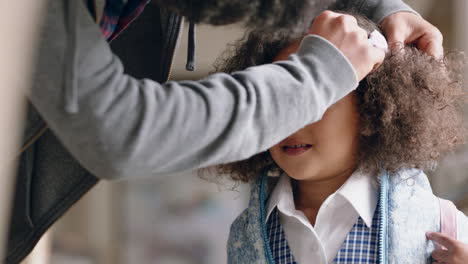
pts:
pixel 454 251
pixel 409 28
pixel 343 32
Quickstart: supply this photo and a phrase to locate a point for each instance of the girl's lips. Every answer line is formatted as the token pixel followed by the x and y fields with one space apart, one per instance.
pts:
pixel 296 150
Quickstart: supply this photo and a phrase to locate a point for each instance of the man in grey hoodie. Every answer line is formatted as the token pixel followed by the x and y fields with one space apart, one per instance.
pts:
pixel 89 120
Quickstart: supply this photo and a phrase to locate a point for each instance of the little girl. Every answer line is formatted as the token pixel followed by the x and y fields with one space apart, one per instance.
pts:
pixel 350 188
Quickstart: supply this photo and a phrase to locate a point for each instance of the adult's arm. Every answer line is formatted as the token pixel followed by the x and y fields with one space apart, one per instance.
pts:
pixel 119 127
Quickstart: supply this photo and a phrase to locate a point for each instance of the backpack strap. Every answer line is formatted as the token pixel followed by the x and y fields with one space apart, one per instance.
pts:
pixel 32 139
pixel 448 218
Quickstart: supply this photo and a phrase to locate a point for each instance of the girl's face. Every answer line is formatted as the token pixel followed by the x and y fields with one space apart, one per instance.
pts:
pixel 324 149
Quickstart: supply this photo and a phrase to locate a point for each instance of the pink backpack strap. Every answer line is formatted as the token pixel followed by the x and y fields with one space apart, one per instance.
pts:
pixel 448 218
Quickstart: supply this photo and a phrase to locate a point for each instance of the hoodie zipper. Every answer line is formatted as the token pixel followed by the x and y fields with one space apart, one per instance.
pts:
pixel 383 211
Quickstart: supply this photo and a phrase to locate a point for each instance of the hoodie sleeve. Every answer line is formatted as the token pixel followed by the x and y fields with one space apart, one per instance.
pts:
pixel 118 126
pixel 376 10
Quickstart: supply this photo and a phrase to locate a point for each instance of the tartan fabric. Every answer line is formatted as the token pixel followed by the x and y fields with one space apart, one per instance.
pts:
pixel 118 14
pixel 360 246
pixel 278 243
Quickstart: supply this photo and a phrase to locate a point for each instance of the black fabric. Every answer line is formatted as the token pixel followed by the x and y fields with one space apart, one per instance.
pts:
pixel 92 8
pixel 147 46
pixel 171 25
pixel 49 180
pixel 34 123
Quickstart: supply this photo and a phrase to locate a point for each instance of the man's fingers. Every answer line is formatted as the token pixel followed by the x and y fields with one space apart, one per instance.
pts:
pixel 377 55
pixel 440 255
pixel 345 21
pixel 441 239
pixel 345 34
pixel 434 50
pixel 326 15
pixel 396 40
pixel 408 28
pixel 395 36
pixel 431 44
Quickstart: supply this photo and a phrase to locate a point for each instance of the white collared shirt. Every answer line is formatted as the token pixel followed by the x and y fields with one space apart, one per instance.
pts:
pixel 335 219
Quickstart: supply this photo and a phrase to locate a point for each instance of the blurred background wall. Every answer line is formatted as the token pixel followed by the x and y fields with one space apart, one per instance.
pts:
pixel 184 219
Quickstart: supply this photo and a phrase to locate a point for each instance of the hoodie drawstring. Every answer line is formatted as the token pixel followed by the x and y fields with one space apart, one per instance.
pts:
pixel 190 66
pixel 71 54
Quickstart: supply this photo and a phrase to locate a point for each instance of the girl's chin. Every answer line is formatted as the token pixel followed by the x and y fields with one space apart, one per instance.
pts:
pixel 302 176
pixel 313 176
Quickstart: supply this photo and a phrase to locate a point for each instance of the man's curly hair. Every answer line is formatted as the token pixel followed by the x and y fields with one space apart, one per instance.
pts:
pixel 409 107
pixel 273 16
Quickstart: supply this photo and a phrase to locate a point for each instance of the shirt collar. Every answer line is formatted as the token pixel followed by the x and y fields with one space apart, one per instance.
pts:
pixel 359 191
pixel 282 197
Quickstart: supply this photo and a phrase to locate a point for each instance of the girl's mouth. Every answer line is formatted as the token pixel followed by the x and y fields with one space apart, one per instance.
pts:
pixel 295 150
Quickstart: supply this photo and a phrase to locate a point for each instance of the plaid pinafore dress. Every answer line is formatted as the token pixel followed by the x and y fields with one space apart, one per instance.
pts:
pixel 360 246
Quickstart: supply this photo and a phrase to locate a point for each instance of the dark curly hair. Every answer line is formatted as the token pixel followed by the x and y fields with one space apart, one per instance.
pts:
pixel 409 107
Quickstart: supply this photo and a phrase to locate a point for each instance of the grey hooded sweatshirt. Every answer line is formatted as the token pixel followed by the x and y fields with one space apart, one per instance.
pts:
pixel 88 119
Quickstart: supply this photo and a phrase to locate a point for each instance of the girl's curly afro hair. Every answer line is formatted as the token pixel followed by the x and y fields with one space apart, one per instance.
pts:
pixel 409 107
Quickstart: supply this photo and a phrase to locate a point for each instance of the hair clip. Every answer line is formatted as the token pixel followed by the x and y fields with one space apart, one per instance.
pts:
pixel 378 40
